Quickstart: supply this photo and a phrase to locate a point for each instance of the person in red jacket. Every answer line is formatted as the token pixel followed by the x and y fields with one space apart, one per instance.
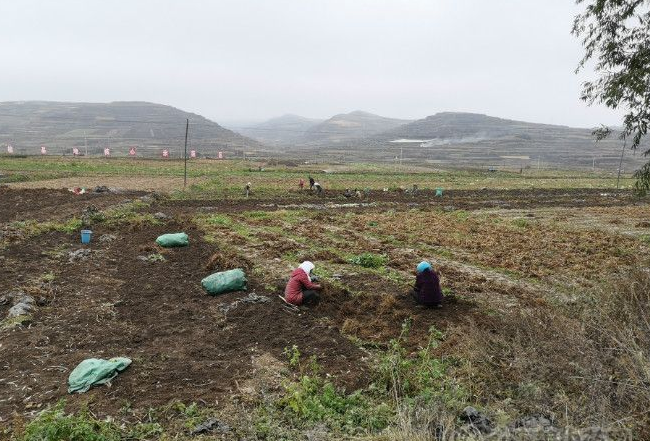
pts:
pixel 300 288
pixel 427 290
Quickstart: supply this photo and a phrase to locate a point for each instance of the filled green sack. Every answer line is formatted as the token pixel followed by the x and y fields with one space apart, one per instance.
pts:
pixel 225 281
pixel 93 371
pixel 173 240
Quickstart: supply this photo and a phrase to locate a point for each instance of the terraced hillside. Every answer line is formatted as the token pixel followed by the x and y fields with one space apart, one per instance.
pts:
pixel 452 138
pixel 91 127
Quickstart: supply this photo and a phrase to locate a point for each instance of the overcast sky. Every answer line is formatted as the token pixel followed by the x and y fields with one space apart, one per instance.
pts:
pixel 244 60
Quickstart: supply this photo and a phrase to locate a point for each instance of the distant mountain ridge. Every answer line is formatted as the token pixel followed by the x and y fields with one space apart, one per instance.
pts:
pixel 471 139
pixel 458 125
pixel 282 130
pixel 150 127
pixel 350 126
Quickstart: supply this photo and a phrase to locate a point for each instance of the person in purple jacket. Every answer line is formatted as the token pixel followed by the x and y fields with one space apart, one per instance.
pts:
pixel 427 290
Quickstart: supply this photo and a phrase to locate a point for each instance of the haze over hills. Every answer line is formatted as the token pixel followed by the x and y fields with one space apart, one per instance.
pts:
pixel 456 126
pixel 456 138
pixel 447 138
pixel 283 130
pixel 350 126
pixel 150 127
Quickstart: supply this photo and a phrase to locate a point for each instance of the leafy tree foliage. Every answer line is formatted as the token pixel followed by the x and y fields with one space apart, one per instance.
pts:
pixel 616 36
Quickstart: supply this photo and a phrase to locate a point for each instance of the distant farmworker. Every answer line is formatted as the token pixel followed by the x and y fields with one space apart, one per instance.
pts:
pixel 248 189
pixel 348 193
pixel 427 290
pixel 318 188
pixel 311 183
pixel 300 288
pixel 301 183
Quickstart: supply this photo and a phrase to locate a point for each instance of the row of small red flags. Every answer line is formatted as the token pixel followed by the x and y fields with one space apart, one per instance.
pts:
pixel 107 152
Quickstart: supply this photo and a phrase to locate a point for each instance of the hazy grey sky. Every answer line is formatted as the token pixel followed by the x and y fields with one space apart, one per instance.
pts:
pixel 235 60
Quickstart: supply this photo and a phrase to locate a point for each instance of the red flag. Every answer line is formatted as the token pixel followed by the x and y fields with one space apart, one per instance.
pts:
pixel 165 153
pixel 192 153
pixel 43 150
pixel 75 151
pixel 107 152
pixel 132 151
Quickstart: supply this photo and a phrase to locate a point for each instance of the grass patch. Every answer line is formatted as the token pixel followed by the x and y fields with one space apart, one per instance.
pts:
pixel 423 378
pixel 33 228
pixel 461 215
pixel 126 214
pixel 520 223
pixel 55 425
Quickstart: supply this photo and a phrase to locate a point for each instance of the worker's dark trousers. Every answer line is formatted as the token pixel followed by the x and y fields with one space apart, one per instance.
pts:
pixel 310 296
pixel 416 296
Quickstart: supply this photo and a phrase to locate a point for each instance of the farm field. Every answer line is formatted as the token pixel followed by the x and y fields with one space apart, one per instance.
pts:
pixel 543 329
pixel 213 178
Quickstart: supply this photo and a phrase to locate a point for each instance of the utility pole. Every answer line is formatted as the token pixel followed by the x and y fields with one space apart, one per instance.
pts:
pixel 620 164
pixel 187 129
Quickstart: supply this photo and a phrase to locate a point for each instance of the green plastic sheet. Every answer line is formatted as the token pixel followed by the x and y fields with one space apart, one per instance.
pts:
pixel 225 281
pixel 173 240
pixel 94 371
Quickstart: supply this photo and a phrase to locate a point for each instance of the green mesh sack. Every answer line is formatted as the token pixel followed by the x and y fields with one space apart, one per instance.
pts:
pixel 225 281
pixel 173 240
pixel 95 371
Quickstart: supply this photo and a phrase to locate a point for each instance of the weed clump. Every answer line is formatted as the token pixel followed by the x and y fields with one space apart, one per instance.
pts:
pixel 315 399
pixel 521 223
pixel 55 425
pixel 369 260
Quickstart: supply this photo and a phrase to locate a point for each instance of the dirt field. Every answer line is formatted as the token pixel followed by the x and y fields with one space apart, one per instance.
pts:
pixel 497 252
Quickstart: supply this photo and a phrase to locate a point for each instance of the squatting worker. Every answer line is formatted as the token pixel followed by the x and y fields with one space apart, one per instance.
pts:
pixel 427 290
pixel 300 288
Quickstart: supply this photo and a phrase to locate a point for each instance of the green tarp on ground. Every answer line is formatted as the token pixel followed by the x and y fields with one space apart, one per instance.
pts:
pixel 225 281
pixel 173 240
pixel 93 371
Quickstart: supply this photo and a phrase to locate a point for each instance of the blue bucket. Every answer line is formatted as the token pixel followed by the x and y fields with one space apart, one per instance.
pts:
pixel 85 236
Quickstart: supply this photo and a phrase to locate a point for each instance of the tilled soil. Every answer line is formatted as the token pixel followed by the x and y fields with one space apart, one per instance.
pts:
pixel 452 199
pixel 183 346
pixel 52 205
pixel 156 313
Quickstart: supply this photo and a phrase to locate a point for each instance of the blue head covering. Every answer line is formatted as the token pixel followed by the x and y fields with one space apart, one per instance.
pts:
pixel 422 266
